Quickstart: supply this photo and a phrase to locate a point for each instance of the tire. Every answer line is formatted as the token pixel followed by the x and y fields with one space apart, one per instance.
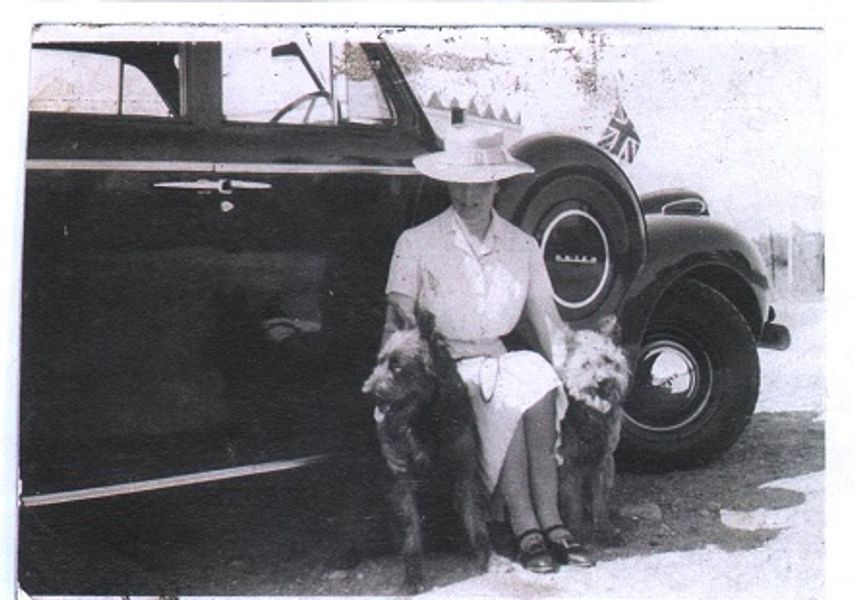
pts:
pixel 591 235
pixel 698 336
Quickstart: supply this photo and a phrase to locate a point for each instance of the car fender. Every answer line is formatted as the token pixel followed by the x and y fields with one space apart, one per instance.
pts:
pixel 701 248
pixel 553 152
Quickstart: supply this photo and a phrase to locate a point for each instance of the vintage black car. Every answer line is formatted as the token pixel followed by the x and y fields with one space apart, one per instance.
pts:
pixel 206 248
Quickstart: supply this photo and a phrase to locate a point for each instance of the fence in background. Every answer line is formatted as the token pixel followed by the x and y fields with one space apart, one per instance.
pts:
pixel 795 262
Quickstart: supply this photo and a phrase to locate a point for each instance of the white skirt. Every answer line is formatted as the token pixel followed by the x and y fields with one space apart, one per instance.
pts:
pixel 501 390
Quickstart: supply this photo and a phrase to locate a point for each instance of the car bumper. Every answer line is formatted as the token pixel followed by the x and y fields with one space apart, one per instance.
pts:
pixel 774 335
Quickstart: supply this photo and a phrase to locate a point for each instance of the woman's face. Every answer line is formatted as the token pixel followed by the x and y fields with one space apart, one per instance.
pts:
pixel 472 201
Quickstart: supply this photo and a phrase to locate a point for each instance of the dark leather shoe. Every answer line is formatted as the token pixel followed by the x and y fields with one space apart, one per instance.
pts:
pixel 566 551
pixel 533 553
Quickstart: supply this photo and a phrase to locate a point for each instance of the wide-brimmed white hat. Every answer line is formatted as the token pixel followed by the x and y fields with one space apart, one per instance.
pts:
pixel 471 155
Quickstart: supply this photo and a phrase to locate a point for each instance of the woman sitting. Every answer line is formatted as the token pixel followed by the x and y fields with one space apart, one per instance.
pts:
pixel 479 275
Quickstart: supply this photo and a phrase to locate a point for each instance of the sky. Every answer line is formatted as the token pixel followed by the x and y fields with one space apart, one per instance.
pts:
pixel 735 114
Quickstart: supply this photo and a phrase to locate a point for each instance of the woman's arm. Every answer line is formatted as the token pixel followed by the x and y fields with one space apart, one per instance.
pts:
pixel 402 286
pixel 542 313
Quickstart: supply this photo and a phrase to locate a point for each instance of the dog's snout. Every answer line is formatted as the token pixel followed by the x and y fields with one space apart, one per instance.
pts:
pixel 606 388
pixel 378 382
pixel 370 384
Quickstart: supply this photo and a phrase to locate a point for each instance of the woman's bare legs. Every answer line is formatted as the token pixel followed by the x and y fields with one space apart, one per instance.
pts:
pixel 529 478
pixel 514 484
pixel 540 437
pixel 514 487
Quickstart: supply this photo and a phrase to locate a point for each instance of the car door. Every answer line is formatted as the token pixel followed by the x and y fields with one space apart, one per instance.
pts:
pixel 202 281
pixel 317 196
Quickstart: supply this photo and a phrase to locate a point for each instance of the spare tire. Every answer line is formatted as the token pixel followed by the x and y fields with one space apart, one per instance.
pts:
pixel 586 217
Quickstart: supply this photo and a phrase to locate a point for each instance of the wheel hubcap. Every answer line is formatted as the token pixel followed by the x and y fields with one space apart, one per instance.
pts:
pixel 576 253
pixel 672 386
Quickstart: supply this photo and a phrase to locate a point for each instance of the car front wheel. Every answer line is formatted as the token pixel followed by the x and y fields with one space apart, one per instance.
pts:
pixel 696 381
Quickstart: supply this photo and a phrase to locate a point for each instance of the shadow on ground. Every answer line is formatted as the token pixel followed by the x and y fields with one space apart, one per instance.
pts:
pixel 328 532
pixel 775 446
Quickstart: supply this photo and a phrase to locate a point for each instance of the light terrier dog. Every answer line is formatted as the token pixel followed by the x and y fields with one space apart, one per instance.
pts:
pixel 596 375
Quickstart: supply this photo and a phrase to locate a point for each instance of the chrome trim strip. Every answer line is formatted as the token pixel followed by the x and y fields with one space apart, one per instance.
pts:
pixel 700 206
pixel 61 164
pixel 75 164
pixel 136 487
pixel 311 169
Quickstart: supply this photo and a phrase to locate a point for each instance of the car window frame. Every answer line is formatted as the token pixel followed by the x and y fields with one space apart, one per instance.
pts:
pixel 119 52
pixel 410 118
pixel 404 107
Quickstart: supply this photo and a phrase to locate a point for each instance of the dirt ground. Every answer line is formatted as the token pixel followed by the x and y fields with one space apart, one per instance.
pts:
pixel 658 513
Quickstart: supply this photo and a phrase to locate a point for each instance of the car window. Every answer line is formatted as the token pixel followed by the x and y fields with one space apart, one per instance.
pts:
pixel 291 84
pixel 360 97
pixel 68 81
pixel 261 87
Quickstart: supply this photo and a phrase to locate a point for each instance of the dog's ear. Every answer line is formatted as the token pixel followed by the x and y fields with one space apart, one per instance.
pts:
pixel 426 322
pixel 399 317
pixel 610 327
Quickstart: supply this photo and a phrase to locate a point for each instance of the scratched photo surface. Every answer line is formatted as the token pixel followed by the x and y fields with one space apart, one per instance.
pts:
pixel 210 212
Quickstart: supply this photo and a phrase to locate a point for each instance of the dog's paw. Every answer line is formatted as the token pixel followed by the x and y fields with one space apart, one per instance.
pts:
pixel 415 584
pixel 610 537
pixel 482 557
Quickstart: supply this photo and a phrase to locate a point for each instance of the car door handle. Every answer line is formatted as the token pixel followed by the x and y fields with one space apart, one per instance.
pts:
pixel 220 186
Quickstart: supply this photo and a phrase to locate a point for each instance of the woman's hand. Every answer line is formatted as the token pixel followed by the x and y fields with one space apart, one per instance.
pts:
pixel 397 304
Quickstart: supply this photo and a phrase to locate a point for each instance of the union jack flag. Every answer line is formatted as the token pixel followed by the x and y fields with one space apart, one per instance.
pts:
pixel 620 137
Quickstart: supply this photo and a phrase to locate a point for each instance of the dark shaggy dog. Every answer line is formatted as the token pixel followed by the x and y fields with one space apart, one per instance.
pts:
pixel 427 433
pixel 596 376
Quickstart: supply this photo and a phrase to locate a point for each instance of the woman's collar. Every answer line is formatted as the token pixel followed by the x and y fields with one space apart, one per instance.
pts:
pixel 467 240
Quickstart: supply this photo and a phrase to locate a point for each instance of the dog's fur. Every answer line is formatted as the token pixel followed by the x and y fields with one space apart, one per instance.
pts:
pixel 427 434
pixel 596 376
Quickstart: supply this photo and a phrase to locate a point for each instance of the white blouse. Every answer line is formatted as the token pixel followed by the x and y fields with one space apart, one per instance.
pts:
pixel 477 290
